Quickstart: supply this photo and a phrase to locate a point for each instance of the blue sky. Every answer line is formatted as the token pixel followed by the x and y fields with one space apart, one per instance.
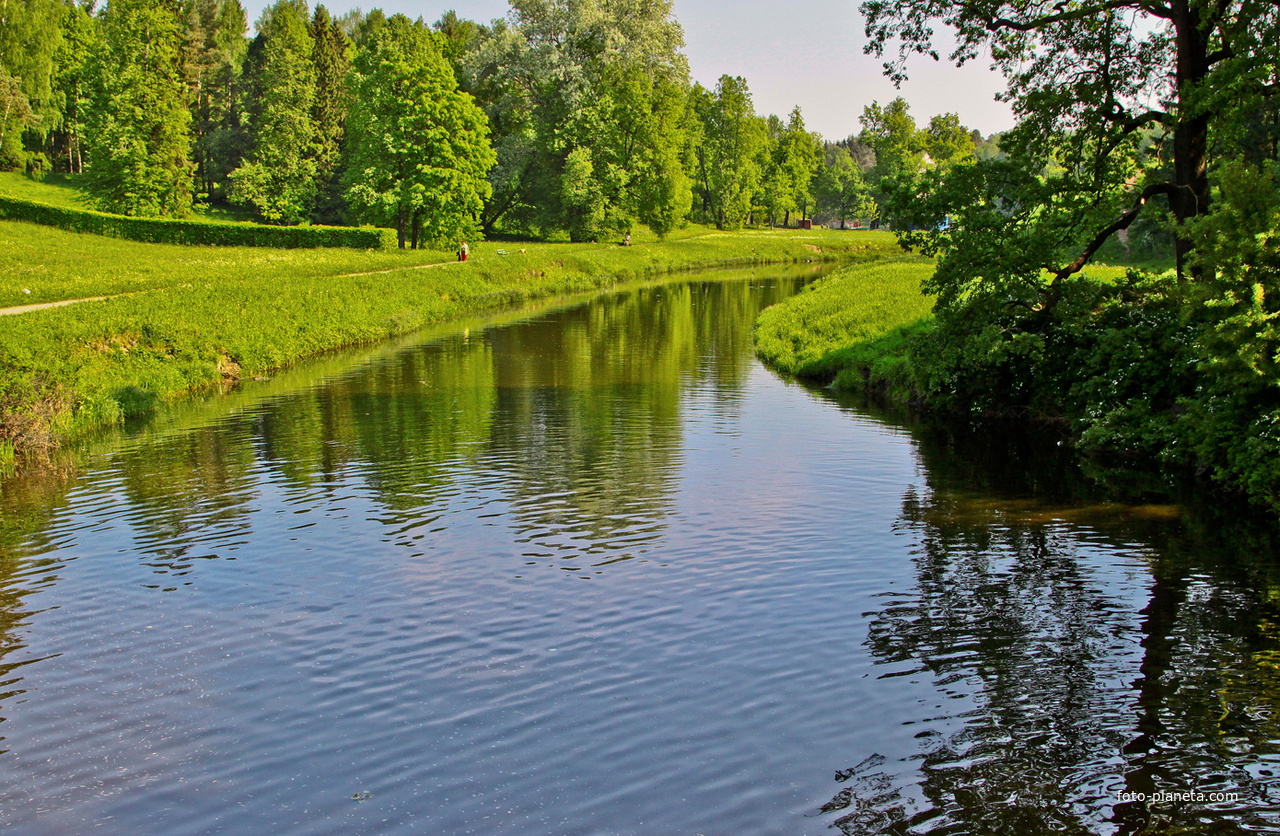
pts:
pixel 807 53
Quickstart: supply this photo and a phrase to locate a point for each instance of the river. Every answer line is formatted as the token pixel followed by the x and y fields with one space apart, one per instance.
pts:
pixel 595 570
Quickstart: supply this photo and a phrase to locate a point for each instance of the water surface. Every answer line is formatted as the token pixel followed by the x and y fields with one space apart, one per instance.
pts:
pixel 599 572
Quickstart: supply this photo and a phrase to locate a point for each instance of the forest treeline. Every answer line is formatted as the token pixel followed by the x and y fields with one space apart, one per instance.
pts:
pixel 565 118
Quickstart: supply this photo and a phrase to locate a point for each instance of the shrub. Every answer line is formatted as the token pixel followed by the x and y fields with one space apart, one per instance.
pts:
pixel 209 233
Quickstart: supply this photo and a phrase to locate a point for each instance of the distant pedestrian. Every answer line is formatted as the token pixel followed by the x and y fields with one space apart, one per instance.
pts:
pixel 463 251
pixel 626 242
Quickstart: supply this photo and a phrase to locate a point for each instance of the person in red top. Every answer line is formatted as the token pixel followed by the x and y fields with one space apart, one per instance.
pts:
pixel 462 251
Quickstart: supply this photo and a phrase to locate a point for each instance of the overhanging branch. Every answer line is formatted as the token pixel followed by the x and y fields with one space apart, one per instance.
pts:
pixel 994 24
pixel 1122 222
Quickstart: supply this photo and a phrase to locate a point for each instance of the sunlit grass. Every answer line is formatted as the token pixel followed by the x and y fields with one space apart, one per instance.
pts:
pixel 185 317
pixel 813 333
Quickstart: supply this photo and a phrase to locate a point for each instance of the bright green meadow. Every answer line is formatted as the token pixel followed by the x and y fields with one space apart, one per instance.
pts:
pixel 181 318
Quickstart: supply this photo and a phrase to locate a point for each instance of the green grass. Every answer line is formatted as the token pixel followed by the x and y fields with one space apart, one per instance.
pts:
pixel 43 264
pixel 855 327
pixel 55 189
pixel 189 317
pixel 63 190
pixel 814 333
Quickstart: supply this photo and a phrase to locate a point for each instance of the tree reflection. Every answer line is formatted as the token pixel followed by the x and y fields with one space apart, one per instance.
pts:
pixel 1074 683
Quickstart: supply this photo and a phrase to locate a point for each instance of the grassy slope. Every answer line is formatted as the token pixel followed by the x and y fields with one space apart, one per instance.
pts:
pixel 192 316
pixel 61 190
pixel 855 326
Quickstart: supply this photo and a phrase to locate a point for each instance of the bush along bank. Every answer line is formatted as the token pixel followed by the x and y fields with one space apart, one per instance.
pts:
pixel 67 370
pixel 190 232
pixel 1144 369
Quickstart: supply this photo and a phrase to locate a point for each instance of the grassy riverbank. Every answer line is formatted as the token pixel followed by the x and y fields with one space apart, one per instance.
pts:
pixel 856 327
pixel 190 317
pixel 1135 369
pixel 849 323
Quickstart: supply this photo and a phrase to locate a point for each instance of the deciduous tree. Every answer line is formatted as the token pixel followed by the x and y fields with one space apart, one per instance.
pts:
pixel 278 178
pixel 418 147
pixel 1085 78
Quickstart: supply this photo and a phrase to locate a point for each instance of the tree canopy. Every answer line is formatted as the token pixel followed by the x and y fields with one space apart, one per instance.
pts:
pixel 419 147
pixel 1085 80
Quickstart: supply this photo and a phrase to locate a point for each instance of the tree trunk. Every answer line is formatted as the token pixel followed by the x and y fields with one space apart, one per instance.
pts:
pixel 786 219
pixel 400 228
pixel 1191 134
pixel 417 227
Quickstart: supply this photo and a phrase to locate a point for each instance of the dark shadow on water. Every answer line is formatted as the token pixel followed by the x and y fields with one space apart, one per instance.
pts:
pixel 1083 682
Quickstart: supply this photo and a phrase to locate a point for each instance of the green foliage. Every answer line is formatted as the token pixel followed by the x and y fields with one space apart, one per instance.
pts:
pixel 728 155
pixel 891 131
pixel 788 158
pixel 279 176
pixel 419 148
pixel 173 231
pixel 30 38
pixel 586 105
pixel 1086 79
pixel 71 81
pixel 215 53
pixel 331 57
pixel 139 160
pixel 1236 414
pixel 842 190
pixel 16 116
pixel 946 141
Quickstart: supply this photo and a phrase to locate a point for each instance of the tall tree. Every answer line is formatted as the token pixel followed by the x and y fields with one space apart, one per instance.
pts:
pixel 800 152
pixel 891 131
pixel 946 141
pixel 278 178
pixel 15 117
pixel 30 37
pixel 1085 78
pixel 573 91
pixel 233 102
pixel 331 57
pixel 460 36
pixel 775 194
pixel 841 189
pixel 71 83
pixel 728 158
pixel 418 147
pixel 139 162
pixel 216 49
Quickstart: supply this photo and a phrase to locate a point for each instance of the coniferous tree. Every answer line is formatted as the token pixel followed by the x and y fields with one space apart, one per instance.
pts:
pixel 139 162
pixel 216 49
pixel 278 177
pixel 331 57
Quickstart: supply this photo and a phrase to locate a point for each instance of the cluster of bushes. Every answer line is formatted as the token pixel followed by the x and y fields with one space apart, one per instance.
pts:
pixel 169 231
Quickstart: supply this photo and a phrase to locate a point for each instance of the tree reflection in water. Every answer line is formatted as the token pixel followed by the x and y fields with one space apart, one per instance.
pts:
pixel 1073 678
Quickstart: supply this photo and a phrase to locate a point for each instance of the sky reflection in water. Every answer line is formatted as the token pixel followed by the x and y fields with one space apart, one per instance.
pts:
pixel 600 572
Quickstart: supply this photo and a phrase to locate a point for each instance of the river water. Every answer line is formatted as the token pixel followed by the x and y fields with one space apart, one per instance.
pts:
pixel 597 571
